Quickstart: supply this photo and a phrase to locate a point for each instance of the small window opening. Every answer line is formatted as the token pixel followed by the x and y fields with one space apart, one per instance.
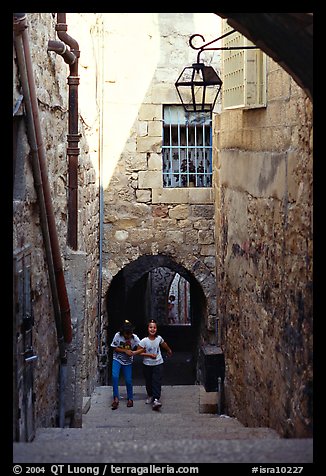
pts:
pixel 187 148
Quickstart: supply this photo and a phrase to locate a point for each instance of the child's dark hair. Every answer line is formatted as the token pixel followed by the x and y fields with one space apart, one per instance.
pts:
pixel 126 327
pixel 152 321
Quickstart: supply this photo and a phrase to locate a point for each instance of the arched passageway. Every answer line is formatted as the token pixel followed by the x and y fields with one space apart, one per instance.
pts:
pixel 140 291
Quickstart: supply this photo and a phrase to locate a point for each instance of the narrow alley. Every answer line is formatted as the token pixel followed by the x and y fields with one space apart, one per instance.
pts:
pixel 141 193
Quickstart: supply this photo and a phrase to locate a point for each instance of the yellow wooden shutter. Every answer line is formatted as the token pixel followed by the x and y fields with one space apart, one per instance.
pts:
pixel 243 73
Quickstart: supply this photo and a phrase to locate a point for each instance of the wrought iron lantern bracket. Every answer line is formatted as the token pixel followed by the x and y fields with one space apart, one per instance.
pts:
pixel 204 47
pixel 198 85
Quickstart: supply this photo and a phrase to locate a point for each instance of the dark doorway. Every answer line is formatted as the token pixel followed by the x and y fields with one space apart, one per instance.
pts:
pixel 23 398
pixel 139 292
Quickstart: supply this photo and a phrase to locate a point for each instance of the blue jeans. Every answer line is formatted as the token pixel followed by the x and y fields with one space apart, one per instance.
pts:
pixel 127 372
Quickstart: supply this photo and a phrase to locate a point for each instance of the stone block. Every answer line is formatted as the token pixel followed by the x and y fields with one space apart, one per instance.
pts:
pixel 155 129
pixel 136 162
pixel 175 236
pixel 211 364
pixel 179 212
pixel 149 144
pixel 208 401
pixel 143 196
pixel 149 179
pixel 150 112
pixel 165 94
pixel 205 237
pixel 191 237
pixel 169 195
pixel 201 195
pixel 142 128
pixel 155 162
pixel 160 211
pixel 121 235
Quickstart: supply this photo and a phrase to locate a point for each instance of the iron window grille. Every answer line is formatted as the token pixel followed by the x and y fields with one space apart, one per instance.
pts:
pixel 187 148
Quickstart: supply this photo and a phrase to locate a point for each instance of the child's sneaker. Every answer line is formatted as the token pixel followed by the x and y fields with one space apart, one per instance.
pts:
pixel 149 400
pixel 156 404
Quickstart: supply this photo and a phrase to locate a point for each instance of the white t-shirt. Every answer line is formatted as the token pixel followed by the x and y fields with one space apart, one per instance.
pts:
pixel 152 347
pixel 120 341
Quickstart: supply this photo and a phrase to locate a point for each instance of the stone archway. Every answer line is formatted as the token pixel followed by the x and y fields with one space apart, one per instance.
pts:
pixel 140 291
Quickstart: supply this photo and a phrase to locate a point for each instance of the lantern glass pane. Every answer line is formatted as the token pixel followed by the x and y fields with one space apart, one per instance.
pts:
pixel 198 88
pixel 196 93
pixel 186 75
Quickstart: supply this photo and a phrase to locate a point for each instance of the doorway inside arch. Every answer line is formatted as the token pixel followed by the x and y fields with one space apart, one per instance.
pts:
pixel 142 291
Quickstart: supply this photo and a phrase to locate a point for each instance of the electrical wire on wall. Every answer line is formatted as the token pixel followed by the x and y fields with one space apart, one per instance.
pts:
pixel 101 338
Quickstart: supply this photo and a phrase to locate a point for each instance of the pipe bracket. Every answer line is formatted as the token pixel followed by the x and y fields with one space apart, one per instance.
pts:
pixel 61 27
pixel 73 150
pixel 73 80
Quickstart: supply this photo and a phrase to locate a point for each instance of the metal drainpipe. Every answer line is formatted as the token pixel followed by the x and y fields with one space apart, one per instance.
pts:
pixel 73 135
pixel 61 49
pixel 20 29
pixel 43 210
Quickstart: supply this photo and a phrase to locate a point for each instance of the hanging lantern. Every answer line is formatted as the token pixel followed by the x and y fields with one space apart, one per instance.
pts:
pixel 198 87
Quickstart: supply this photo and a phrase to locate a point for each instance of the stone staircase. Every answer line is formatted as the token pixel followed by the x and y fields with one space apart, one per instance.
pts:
pixel 177 433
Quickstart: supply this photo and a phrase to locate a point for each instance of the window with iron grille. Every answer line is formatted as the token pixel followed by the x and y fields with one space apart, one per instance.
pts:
pixel 187 148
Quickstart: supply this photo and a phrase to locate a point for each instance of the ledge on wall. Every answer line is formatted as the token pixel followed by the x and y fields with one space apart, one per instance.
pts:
pixel 211 367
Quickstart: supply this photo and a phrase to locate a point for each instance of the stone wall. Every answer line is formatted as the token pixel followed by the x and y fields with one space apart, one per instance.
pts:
pixel 248 242
pixel 120 106
pixel 264 257
pixel 144 59
pixel 50 75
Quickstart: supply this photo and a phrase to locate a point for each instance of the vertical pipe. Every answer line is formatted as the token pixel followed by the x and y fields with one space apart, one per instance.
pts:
pixel 185 302
pixel 21 31
pixel 38 180
pixel 187 140
pixel 219 393
pixel 170 152
pixel 73 135
pixel 62 388
pixel 73 153
pixel 43 208
pixel 178 133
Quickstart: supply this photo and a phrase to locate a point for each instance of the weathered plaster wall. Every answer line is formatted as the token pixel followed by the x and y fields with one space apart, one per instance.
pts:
pixel 264 257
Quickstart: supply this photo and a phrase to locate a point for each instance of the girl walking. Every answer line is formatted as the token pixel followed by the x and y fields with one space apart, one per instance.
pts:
pixel 150 348
pixel 124 345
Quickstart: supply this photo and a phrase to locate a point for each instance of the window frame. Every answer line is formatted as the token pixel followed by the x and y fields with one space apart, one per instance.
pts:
pixel 194 157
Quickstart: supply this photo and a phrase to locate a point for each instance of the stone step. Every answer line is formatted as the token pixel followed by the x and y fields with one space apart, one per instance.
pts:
pixel 147 414
pixel 185 398
pixel 177 433
pixel 169 451
pixel 178 416
pixel 160 420
pixel 133 433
